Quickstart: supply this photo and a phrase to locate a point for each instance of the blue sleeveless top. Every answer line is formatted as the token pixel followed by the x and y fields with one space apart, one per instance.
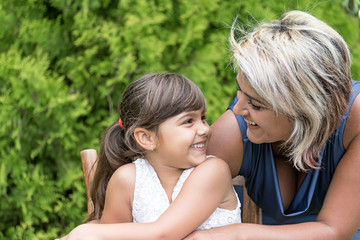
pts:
pixel 259 170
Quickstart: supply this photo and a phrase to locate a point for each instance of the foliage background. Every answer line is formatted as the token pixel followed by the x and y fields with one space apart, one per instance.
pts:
pixel 64 65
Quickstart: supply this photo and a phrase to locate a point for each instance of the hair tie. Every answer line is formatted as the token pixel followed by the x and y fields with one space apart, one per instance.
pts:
pixel 121 124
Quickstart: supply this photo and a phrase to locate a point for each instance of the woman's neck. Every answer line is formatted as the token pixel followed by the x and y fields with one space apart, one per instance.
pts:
pixel 279 149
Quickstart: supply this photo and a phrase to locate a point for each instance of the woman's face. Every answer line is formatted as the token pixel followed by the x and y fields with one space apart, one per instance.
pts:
pixel 264 126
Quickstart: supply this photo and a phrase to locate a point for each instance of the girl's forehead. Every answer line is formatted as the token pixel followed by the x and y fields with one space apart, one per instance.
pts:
pixel 192 112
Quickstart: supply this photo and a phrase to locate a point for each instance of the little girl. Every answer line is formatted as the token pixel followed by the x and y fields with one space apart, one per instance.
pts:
pixel 154 168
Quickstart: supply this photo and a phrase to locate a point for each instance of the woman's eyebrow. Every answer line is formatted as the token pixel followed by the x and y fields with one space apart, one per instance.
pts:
pixel 249 96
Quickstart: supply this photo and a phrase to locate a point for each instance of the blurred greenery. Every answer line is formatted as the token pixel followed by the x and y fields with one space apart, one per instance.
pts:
pixel 64 65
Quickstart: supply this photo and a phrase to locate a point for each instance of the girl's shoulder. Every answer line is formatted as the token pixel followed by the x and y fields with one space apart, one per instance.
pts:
pixel 119 195
pixel 212 178
pixel 214 167
pixel 215 161
pixel 124 176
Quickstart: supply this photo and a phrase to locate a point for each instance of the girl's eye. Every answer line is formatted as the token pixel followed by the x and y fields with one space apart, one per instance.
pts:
pixel 253 106
pixel 203 118
pixel 188 121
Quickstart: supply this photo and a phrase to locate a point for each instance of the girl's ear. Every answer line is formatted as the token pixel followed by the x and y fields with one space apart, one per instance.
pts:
pixel 145 138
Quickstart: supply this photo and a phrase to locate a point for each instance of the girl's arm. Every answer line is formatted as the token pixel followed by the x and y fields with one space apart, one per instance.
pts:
pixel 339 217
pixel 202 192
pixel 119 195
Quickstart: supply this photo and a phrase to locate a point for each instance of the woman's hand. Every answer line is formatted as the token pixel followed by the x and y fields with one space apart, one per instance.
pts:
pixel 96 221
pixel 199 235
pixel 81 232
pixel 71 235
pixel 62 238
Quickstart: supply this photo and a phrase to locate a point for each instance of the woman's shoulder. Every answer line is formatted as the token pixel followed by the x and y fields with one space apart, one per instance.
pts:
pixel 352 127
pixel 226 141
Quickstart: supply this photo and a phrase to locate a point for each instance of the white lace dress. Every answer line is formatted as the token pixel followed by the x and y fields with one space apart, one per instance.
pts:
pixel 150 199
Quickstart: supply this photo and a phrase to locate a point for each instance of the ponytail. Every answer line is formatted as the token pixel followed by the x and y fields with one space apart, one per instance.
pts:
pixel 112 155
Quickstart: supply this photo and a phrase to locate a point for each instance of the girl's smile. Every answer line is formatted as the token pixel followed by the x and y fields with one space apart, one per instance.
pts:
pixel 182 140
pixel 199 146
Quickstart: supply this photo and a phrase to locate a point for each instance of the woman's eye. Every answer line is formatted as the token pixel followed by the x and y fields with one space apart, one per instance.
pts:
pixel 253 106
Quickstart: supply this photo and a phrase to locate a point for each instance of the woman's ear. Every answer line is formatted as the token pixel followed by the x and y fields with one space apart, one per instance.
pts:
pixel 145 138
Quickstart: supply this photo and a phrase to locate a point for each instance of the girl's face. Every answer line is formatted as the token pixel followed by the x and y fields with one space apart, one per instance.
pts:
pixel 183 140
pixel 264 126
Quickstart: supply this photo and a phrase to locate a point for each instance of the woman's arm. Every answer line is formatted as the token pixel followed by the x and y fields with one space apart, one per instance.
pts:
pixel 201 193
pixel 226 141
pixel 341 208
pixel 339 217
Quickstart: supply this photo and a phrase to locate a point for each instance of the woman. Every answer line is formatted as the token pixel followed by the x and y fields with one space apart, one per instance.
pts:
pixel 298 137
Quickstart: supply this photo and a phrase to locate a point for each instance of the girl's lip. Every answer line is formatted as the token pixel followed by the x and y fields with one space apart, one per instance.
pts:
pixel 199 145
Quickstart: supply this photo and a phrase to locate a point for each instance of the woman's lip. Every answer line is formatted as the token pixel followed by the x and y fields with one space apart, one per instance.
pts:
pixel 252 126
pixel 250 122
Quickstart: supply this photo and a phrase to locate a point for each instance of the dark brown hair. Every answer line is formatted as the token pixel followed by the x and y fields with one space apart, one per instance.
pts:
pixel 147 102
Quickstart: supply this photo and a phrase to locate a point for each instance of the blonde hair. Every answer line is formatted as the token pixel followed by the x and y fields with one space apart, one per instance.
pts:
pixel 301 68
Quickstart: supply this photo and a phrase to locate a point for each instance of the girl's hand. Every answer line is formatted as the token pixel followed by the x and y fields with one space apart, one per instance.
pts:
pixel 228 232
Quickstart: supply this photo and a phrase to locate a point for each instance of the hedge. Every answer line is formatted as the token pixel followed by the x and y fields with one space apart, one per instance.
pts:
pixel 64 65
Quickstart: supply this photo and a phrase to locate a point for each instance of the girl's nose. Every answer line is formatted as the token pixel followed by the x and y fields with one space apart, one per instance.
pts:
pixel 204 129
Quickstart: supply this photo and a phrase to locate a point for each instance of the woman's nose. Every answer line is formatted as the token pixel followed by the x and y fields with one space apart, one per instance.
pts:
pixel 240 107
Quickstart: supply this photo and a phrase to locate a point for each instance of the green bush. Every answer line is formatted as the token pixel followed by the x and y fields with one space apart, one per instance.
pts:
pixel 64 65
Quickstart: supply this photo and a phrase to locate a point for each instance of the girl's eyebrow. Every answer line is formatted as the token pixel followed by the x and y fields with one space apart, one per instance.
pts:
pixel 249 96
pixel 188 114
